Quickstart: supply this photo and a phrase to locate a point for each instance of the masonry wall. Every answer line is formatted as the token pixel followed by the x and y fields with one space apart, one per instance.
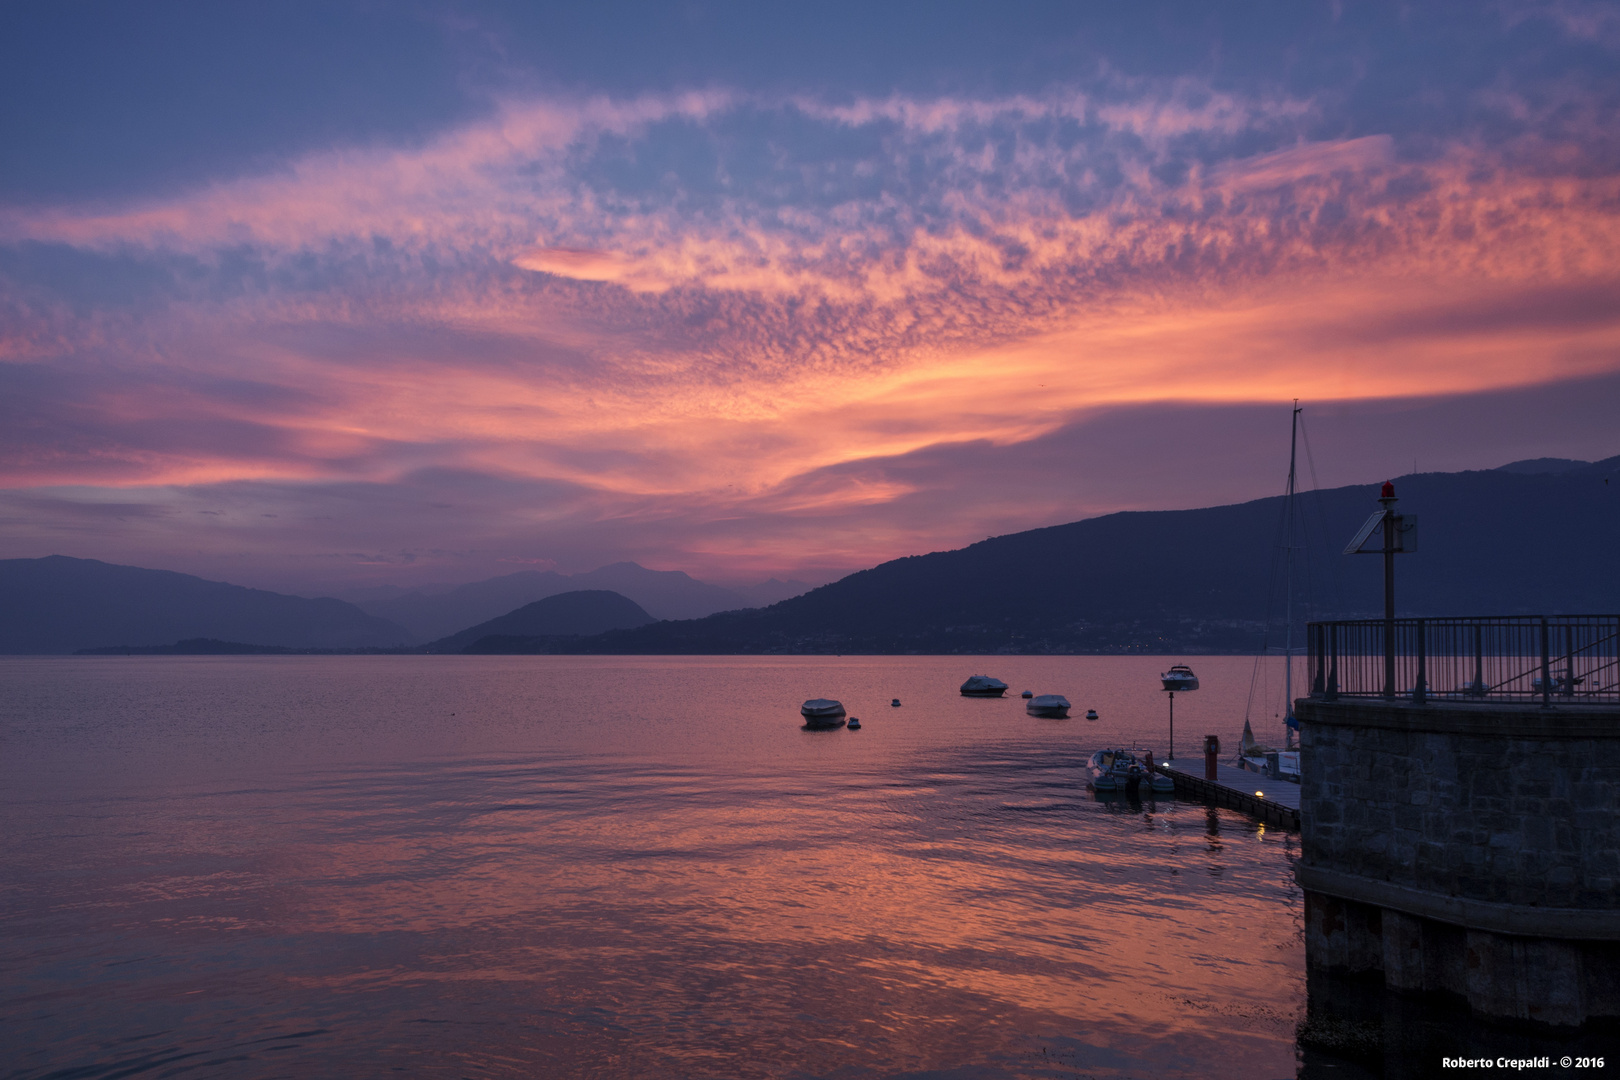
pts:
pixel 1498 805
pixel 1466 848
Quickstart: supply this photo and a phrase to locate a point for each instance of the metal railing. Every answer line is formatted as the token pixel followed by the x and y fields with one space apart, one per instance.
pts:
pixel 1552 659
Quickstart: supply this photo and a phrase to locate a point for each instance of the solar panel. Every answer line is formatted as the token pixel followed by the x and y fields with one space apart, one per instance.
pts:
pixel 1405 536
pixel 1366 530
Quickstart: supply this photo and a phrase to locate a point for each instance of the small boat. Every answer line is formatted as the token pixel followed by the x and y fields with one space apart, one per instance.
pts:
pixel 854 723
pixel 1564 684
pixel 1126 770
pixel 1091 714
pixel 983 686
pixel 894 703
pixel 1179 677
pixel 1027 694
pixel 822 713
pixel 1055 706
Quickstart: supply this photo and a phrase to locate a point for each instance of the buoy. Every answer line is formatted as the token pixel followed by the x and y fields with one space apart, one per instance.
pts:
pixel 1028 693
pixel 1091 714
pixel 895 703
pixel 854 723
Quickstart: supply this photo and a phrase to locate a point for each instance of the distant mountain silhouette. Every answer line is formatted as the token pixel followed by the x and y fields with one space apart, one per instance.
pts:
pixel 666 594
pixel 435 611
pixel 769 592
pixel 1502 541
pixel 59 605
pixel 1532 537
pixel 1544 465
pixel 432 613
pixel 569 614
pixel 196 647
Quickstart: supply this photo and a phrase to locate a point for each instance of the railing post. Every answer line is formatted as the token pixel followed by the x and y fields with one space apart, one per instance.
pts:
pixel 1389 658
pixel 1389 598
pixel 1332 667
pixel 1546 668
pixel 1477 688
pixel 1313 643
pixel 1420 691
pixel 1567 689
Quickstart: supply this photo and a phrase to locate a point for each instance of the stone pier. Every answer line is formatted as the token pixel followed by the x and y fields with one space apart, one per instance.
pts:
pixel 1466 849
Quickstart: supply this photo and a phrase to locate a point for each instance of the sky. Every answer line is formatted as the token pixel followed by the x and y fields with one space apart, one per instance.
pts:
pixel 313 296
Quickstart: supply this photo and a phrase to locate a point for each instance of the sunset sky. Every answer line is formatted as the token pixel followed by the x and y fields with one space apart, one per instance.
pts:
pixel 309 296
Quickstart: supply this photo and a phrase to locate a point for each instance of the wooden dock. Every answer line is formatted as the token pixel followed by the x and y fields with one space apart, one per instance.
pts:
pixel 1276 801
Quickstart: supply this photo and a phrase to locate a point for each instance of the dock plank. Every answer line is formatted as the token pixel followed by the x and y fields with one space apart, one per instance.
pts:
pixel 1273 800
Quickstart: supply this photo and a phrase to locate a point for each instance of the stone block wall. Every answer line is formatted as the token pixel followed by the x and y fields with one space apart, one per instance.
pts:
pixel 1468 849
pixel 1499 805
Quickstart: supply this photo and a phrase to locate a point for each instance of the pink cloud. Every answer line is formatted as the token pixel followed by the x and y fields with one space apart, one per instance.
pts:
pixel 715 361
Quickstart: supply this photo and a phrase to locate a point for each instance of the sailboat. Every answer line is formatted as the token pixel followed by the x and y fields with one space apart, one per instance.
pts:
pixel 1257 757
pixel 1252 755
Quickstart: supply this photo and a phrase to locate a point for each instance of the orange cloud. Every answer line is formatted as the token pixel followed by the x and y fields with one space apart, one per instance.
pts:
pixel 477 305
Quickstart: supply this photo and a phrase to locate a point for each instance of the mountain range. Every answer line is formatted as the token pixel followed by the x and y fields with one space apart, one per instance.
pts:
pixel 435 611
pixel 58 605
pixel 1531 537
pixel 569 614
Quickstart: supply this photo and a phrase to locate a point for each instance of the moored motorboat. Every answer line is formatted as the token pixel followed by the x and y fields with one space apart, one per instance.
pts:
pixel 1127 770
pixel 822 713
pixel 1055 706
pixel 983 686
pixel 1179 677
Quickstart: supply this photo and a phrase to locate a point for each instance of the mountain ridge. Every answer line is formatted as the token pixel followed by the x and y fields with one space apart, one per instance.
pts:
pixel 1532 537
pixel 580 613
pixel 434 612
pixel 59 604
pixel 1495 542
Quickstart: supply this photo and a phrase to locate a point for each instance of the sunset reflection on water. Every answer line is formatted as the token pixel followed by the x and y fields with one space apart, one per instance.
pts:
pixel 625 867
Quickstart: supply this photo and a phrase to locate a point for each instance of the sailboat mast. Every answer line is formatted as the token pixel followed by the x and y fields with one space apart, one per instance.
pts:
pixel 1288 579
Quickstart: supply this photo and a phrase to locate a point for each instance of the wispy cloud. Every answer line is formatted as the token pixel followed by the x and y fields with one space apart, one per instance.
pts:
pixel 737 302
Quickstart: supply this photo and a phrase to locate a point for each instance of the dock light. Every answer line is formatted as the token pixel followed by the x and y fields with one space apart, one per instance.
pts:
pixel 1261 794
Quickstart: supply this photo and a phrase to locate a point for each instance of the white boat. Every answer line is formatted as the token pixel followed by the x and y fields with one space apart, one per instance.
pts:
pixel 983 686
pixel 1179 677
pixel 822 713
pixel 1055 706
pixel 1124 769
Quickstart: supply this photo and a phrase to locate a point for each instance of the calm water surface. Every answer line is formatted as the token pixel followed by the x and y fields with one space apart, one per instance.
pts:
pixel 624 867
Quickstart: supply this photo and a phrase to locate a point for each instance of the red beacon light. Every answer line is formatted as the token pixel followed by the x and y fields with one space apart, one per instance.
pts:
pixel 1389 490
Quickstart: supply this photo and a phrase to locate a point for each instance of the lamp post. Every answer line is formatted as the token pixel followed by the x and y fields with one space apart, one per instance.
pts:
pixel 1400 538
pixel 1172 725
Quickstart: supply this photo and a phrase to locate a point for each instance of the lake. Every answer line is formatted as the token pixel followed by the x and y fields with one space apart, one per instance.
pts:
pixel 626 867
